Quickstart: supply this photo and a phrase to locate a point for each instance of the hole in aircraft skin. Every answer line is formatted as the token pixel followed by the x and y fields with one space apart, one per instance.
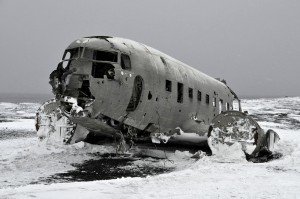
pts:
pixel 149 96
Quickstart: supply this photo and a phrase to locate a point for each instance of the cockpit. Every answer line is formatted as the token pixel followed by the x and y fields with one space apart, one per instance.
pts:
pixel 73 74
pixel 102 61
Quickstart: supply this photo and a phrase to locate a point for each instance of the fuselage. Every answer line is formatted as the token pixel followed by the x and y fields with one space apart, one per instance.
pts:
pixel 141 87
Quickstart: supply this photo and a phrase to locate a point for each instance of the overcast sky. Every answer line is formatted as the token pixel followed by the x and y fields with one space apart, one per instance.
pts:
pixel 254 45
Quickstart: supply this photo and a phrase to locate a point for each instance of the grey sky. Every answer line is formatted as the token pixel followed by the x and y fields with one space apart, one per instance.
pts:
pixel 254 45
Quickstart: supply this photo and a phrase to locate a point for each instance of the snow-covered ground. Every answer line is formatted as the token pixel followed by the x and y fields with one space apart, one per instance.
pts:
pixel 25 163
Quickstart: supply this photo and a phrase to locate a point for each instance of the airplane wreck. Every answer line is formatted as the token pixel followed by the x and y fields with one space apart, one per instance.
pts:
pixel 109 88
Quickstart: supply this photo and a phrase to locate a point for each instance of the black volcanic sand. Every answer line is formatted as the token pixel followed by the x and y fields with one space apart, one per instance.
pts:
pixel 109 166
pixel 6 134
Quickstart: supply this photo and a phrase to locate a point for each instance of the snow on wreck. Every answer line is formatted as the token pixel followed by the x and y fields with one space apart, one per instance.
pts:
pixel 110 89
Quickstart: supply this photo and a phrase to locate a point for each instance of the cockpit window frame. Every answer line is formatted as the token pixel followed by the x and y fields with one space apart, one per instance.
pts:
pixel 95 60
pixel 124 65
pixel 80 50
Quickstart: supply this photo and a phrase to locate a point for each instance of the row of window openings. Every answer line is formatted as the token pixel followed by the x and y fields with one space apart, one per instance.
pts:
pixel 191 95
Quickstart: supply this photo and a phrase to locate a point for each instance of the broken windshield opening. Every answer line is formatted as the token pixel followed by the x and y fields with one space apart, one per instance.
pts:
pixel 71 53
pixel 97 55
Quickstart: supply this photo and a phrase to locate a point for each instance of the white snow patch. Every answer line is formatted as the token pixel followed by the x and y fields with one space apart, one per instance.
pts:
pixel 19 124
pixel 205 178
pixel 209 177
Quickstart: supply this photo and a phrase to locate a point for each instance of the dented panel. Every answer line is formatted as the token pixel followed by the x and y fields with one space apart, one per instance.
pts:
pixel 123 89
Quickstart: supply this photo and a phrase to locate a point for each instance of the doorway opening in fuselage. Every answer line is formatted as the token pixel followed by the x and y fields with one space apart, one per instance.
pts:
pixel 136 93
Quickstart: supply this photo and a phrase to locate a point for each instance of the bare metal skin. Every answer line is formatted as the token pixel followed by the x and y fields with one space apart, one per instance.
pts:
pixel 129 91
